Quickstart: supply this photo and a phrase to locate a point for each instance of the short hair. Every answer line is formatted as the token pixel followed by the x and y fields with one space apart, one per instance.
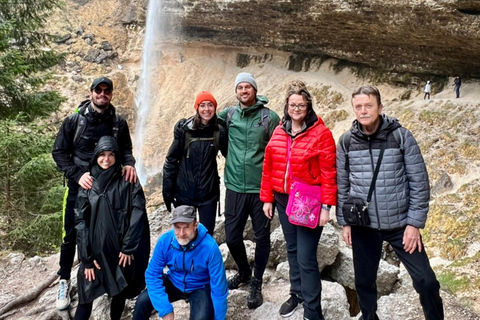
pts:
pixel 369 91
pixel 298 87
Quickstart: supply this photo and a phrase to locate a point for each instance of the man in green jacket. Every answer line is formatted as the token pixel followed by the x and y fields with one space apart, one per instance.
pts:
pixel 250 126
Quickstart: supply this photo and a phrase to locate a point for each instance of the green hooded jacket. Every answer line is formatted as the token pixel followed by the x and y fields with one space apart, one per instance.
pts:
pixel 247 140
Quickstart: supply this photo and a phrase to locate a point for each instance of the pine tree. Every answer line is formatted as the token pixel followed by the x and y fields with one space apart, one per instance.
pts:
pixel 30 187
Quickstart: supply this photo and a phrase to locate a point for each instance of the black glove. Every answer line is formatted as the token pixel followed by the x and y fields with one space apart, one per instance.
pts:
pixel 168 204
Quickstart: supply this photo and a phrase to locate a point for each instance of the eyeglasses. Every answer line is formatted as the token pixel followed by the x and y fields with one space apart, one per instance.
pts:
pixel 302 107
pixel 105 91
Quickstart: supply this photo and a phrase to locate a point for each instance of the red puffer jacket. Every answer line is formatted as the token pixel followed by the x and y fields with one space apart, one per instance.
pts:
pixel 312 160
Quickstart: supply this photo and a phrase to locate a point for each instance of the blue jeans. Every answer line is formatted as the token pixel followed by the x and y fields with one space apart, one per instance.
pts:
pixel 201 305
pixel 367 250
pixel 305 281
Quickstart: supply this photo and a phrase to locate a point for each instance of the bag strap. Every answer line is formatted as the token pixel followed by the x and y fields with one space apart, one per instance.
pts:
pixel 375 174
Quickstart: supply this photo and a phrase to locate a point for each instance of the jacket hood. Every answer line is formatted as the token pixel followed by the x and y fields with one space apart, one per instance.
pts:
pixel 189 123
pixel 106 143
pixel 201 234
pixel 87 111
pixel 387 125
pixel 311 121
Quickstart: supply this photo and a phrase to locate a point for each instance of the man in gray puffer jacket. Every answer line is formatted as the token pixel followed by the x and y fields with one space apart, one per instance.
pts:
pixel 399 203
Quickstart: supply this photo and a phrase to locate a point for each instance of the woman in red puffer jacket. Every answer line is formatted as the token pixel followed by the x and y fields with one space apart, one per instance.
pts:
pixel 312 160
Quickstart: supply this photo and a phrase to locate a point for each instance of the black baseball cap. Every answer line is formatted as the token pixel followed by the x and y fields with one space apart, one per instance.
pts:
pixel 183 213
pixel 100 80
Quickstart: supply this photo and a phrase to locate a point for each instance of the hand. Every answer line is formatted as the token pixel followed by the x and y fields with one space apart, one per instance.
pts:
pixel 130 173
pixel 169 316
pixel 86 181
pixel 124 259
pixel 412 239
pixel 168 204
pixel 268 210
pixel 324 218
pixel 347 235
pixel 90 272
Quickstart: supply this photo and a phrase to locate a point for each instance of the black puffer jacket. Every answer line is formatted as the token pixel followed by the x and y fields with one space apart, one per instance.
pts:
pixel 111 218
pixel 190 173
pixel 97 125
pixel 402 190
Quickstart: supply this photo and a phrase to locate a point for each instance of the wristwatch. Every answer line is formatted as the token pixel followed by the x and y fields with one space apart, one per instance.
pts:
pixel 326 207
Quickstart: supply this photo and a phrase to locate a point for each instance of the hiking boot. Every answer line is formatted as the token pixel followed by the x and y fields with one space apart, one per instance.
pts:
pixel 63 297
pixel 237 279
pixel 255 299
pixel 289 306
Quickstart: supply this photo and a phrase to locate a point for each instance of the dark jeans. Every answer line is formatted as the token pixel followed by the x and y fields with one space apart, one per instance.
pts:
pixel 201 305
pixel 238 206
pixel 116 309
pixel 305 281
pixel 207 215
pixel 427 95
pixel 457 91
pixel 68 247
pixel 367 250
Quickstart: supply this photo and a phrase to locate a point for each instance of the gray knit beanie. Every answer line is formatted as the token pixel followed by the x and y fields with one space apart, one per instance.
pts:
pixel 245 77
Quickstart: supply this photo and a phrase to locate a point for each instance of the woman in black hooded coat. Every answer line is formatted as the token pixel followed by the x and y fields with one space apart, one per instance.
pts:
pixel 113 235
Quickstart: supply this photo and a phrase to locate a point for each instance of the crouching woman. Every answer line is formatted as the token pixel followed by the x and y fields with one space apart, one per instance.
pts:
pixel 113 235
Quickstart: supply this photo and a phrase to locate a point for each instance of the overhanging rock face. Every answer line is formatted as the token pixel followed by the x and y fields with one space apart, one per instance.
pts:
pixel 432 37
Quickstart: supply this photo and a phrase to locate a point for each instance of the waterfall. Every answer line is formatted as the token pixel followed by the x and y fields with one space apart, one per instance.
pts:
pixel 145 94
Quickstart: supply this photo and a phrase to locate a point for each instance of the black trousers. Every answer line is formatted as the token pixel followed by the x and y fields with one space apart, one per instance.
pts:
pixel 238 207
pixel 68 247
pixel 367 250
pixel 305 280
pixel 207 214
pixel 116 308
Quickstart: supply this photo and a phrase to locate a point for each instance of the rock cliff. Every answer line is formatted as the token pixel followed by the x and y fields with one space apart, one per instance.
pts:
pixel 424 37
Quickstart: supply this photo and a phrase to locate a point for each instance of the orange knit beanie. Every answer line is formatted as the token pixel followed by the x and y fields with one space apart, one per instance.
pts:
pixel 205 96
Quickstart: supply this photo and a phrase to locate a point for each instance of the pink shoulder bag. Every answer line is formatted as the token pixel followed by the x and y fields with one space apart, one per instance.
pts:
pixel 304 201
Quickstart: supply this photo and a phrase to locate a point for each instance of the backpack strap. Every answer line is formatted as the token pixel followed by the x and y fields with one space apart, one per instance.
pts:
pixel 81 123
pixel 115 127
pixel 397 134
pixel 345 143
pixel 216 140
pixel 230 113
pixel 265 118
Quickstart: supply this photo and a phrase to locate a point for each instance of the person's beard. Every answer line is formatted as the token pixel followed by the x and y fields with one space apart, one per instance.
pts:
pixel 101 106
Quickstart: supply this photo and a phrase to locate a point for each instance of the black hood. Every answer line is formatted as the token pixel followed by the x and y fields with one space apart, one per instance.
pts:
pixel 106 143
pixel 386 126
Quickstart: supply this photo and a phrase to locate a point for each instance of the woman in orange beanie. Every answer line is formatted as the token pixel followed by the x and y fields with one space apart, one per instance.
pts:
pixel 190 173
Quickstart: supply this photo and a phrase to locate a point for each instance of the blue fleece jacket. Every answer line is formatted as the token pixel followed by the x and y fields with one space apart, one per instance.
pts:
pixel 190 268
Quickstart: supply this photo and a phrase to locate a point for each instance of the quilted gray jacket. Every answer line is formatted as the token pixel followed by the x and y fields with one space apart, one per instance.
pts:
pixel 402 192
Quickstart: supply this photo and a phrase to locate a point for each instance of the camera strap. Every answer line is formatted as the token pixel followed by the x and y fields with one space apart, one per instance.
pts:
pixel 375 174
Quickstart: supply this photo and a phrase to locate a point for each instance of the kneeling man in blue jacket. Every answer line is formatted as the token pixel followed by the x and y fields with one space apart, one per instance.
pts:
pixel 195 272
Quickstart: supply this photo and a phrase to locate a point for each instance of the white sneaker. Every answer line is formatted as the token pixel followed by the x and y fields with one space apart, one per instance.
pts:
pixel 63 297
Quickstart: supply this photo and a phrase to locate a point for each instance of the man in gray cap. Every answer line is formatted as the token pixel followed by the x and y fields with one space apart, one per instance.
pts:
pixel 250 125
pixel 195 272
pixel 72 151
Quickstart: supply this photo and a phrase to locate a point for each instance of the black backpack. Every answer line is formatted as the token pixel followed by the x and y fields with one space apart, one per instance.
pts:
pixel 82 123
pixel 188 140
pixel 347 136
pixel 265 117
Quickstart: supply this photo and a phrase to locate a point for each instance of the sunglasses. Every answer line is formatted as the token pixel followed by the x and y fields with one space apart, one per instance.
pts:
pixel 105 91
